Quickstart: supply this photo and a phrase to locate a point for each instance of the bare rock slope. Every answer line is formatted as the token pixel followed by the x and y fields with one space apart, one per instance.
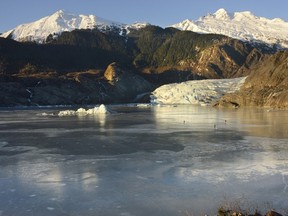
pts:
pixel 266 86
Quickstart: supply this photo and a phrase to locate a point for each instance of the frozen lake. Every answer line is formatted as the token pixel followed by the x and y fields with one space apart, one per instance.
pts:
pixel 142 161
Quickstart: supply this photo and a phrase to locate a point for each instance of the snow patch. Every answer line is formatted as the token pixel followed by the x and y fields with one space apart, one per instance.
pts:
pixel 202 92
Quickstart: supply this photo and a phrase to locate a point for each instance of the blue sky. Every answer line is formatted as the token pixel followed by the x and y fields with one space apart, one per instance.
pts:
pixel 157 12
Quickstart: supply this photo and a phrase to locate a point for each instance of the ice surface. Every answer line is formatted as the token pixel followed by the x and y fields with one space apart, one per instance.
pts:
pixel 162 160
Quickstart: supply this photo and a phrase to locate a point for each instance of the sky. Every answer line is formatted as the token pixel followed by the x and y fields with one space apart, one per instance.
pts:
pixel 157 12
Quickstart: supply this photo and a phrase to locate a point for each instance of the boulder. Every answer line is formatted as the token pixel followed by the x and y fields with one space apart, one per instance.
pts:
pixel 113 72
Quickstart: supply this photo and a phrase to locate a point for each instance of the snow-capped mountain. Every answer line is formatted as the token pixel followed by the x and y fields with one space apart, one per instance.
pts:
pixel 240 25
pixel 62 21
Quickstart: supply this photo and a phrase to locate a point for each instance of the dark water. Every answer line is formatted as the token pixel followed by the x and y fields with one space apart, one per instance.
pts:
pixel 142 161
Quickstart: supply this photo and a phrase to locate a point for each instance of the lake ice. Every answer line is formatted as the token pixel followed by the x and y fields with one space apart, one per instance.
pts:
pixel 162 160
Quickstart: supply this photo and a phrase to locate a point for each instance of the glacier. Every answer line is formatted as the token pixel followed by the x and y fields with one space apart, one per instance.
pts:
pixel 201 92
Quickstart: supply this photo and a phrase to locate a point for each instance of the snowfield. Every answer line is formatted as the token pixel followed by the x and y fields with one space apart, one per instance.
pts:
pixel 203 92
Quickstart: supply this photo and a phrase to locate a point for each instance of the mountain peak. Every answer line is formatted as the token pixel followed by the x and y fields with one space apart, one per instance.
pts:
pixel 60 14
pixel 61 11
pixel 221 14
pixel 224 14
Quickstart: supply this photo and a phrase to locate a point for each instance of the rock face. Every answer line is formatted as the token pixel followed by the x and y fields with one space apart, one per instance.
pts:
pixel 266 86
pixel 41 90
pixel 13 94
pixel 125 85
pixel 226 59
pixel 112 72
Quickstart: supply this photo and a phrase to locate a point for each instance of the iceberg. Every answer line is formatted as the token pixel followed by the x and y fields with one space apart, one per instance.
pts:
pixel 102 109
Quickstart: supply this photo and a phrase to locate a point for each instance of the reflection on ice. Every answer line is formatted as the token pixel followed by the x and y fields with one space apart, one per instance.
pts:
pixel 56 177
pixel 189 117
pixel 255 122
pixel 217 171
pixel 89 181
pixel 101 118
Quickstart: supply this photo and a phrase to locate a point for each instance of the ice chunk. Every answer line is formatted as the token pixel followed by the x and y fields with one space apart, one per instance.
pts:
pixel 143 105
pixel 102 109
pixel 81 111
pixel 67 113
pixel 92 111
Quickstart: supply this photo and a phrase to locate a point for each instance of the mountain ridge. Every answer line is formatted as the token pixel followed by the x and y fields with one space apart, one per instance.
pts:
pixel 243 26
